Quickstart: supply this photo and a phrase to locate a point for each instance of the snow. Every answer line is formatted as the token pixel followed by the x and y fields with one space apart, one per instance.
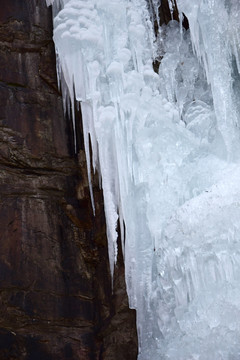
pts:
pixel 166 146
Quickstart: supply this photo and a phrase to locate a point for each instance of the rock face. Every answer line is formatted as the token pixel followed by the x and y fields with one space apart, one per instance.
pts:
pixel 55 287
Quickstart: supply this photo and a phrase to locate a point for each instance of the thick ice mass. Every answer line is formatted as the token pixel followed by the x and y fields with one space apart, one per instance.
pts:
pixel 167 148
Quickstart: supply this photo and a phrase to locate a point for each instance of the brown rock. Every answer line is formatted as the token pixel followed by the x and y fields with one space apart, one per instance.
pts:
pixel 55 287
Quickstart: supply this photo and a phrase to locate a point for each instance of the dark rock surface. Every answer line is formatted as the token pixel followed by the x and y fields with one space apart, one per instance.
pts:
pixel 55 288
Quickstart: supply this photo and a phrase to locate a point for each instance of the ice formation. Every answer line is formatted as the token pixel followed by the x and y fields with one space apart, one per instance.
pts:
pixel 167 148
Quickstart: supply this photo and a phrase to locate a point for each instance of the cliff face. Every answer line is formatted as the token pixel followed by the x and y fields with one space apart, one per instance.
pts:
pixel 55 287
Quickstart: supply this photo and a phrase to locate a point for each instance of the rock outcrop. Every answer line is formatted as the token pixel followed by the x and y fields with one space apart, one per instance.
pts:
pixel 55 287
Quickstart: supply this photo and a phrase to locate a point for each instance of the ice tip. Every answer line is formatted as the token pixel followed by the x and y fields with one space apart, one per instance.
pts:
pixel 49 2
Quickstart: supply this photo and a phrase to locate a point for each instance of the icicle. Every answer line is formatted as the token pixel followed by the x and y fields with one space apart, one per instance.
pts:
pixel 87 119
pixel 49 2
pixel 155 10
pixel 170 3
pixel 181 24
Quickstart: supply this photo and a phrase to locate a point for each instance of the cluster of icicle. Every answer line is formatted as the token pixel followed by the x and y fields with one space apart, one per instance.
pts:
pixel 167 149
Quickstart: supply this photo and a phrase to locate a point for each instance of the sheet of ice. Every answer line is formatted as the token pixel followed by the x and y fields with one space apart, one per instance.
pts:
pixel 167 148
pixel 215 34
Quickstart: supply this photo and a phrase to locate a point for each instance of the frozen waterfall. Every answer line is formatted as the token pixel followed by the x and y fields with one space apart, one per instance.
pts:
pixel 167 148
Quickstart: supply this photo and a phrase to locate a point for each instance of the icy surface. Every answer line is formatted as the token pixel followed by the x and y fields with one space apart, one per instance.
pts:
pixel 167 148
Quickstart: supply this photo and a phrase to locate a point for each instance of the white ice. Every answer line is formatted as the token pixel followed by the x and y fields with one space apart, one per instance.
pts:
pixel 167 148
